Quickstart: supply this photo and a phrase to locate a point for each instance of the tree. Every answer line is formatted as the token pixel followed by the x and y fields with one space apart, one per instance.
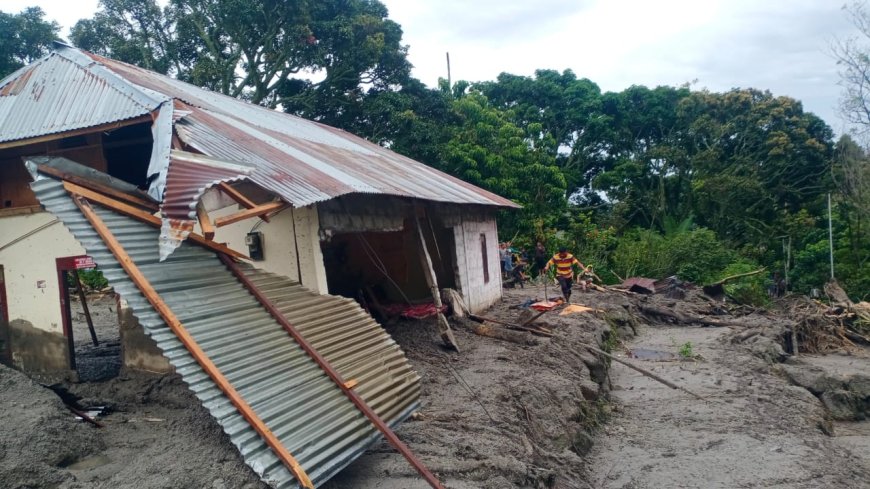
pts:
pixel 853 57
pixel 316 59
pixel 26 37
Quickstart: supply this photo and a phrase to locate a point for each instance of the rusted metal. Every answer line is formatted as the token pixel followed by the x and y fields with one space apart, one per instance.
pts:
pixel 192 346
pixel 388 433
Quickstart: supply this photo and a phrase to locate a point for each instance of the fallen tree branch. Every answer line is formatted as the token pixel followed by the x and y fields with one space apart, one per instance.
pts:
pixel 538 331
pixel 686 318
pixel 641 370
pixel 497 333
pixel 735 277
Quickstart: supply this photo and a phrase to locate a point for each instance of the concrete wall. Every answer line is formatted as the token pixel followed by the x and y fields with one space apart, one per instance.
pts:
pixel 477 292
pixel 138 350
pixel 35 329
pixel 279 247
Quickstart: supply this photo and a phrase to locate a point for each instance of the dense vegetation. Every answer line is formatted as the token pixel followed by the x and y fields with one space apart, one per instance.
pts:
pixel 646 181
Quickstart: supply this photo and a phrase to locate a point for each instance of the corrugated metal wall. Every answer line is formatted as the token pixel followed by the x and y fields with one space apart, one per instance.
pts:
pixel 307 412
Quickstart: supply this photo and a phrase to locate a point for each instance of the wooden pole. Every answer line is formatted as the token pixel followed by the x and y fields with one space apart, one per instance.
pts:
pixel 429 272
pixel 259 210
pixel 204 222
pixel 831 236
pixel 85 308
pixel 333 374
pixel 192 346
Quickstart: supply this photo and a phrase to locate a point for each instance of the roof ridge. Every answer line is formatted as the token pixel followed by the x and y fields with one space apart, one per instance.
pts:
pixel 116 82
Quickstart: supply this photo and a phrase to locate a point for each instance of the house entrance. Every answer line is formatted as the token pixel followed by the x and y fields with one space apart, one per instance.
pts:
pixel 90 324
pixel 380 269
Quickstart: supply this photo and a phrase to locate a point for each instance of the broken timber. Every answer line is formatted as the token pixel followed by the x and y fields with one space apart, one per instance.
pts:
pixel 240 198
pixel 260 210
pixel 346 386
pixel 143 216
pixel 429 272
pixel 179 330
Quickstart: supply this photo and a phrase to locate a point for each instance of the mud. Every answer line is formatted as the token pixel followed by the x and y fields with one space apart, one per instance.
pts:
pixel 96 362
pixel 755 429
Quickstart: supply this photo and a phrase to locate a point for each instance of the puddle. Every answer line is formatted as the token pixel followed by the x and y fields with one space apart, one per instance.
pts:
pixel 89 462
pixel 653 355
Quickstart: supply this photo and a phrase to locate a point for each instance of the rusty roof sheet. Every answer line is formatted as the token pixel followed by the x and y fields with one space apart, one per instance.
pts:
pixel 61 93
pixel 308 413
pixel 302 161
pixel 189 176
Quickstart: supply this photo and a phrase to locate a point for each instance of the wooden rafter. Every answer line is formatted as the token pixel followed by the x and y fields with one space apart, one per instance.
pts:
pixel 204 222
pixel 240 198
pixel 190 343
pixel 259 210
pixel 143 216
pixel 98 187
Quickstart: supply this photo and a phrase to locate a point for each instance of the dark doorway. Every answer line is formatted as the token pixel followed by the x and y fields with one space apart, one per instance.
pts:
pixel 90 323
pixel 386 266
pixel 5 355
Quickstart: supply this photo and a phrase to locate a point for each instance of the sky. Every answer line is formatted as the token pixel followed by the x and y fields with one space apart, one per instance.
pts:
pixel 777 45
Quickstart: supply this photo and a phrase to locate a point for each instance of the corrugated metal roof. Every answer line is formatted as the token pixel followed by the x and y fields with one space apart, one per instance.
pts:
pixel 57 94
pixel 308 413
pixel 189 176
pixel 302 161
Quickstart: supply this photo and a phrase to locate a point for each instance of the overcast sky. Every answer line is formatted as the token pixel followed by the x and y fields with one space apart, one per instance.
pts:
pixel 779 45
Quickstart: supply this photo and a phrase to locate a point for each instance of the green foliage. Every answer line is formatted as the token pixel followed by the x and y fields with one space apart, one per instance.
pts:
pixel 25 37
pixel 750 290
pixel 92 279
pixel 686 351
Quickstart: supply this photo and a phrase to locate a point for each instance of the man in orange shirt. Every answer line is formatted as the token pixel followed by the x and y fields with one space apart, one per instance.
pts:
pixel 564 263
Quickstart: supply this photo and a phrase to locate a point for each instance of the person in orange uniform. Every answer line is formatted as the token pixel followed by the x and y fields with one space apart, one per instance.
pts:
pixel 564 263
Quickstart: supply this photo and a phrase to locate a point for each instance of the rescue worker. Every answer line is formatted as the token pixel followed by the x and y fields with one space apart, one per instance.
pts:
pixel 564 263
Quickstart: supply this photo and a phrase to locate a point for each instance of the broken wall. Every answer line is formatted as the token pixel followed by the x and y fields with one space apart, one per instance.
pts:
pixel 479 276
pixel 35 328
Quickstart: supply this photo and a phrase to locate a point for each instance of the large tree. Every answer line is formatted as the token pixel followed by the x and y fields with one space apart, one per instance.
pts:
pixel 316 59
pixel 25 37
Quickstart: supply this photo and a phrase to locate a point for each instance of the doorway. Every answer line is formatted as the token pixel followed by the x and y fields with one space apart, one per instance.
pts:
pixel 90 321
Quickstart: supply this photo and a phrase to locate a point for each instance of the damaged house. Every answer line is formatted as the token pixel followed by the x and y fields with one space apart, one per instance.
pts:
pixel 241 242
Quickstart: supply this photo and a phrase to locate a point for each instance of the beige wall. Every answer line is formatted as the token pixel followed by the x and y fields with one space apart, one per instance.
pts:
pixel 477 292
pixel 30 261
pixel 279 247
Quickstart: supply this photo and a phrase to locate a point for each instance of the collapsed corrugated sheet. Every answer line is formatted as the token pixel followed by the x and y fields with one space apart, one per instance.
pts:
pixel 188 177
pixel 57 94
pixel 308 413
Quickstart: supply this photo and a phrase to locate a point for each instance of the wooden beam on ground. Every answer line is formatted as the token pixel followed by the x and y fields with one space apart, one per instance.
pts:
pixel 98 187
pixel 259 210
pixel 143 216
pixel 192 346
pixel 388 433
pixel 239 197
pixel 431 279
pixel 204 222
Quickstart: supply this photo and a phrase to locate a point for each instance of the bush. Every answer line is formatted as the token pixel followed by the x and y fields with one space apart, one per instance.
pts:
pixel 92 279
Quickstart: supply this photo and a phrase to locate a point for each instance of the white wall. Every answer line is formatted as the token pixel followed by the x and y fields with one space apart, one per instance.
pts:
pixel 478 293
pixel 30 261
pixel 279 247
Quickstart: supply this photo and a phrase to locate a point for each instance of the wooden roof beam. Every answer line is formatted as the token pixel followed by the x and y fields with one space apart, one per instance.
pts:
pixel 240 198
pixel 259 210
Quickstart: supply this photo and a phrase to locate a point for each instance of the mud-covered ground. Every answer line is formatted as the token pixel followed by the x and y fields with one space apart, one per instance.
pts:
pixel 756 427
pixel 101 361
pixel 499 414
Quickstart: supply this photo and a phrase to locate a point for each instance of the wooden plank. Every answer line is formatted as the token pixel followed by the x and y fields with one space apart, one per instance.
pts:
pixel 85 307
pixel 204 222
pixel 76 132
pixel 239 197
pixel 388 433
pixel 143 216
pixel 432 280
pixel 248 213
pixel 190 343
pixel 98 187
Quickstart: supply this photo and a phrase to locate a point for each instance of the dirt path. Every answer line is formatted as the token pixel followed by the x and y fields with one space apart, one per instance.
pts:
pixel 755 430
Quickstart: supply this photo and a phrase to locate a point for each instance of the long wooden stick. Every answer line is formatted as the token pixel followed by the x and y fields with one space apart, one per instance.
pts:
pixel 240 198
pixel 739 275
pixel 643 371
pixel 85 307
pixel 192 346
pixel 249 213
pixel 333 374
